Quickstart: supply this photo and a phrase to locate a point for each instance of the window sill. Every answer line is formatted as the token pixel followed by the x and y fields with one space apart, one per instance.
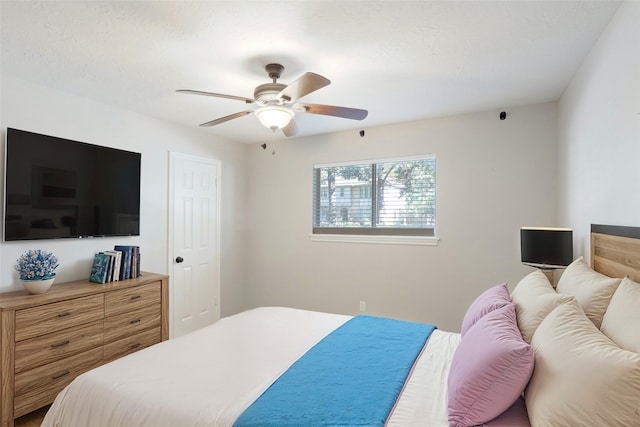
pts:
pixel 383 240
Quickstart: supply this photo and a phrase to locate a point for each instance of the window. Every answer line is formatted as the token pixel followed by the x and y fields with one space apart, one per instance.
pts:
pixel 394 197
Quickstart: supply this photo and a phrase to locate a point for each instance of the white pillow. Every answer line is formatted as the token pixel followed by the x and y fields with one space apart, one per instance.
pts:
pixel 592 289
pixel 581 378
pixel 621 321
pixel 534 298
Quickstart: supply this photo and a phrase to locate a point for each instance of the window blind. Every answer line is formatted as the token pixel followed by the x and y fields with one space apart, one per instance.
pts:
pixel 387 197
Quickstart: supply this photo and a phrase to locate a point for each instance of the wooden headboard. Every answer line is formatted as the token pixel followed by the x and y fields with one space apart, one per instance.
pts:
pixel 615 250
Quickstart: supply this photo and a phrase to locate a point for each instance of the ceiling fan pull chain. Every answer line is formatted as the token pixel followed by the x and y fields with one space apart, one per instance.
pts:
pixel 273 142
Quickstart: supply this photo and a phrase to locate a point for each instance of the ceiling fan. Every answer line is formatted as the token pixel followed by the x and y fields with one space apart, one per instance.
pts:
pixel 277 102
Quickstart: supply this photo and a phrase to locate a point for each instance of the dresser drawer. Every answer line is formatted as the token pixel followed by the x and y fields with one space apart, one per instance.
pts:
pixel 126 324
pixel 131 344
pixel 129 299
pixel 39 351
pixel 44 319
pixel 39 386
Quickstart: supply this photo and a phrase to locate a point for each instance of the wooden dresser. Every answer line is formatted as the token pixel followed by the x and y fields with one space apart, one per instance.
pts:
pixel 49 339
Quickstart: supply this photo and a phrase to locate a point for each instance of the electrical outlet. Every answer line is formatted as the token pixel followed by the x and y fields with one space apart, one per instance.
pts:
pixel 363 306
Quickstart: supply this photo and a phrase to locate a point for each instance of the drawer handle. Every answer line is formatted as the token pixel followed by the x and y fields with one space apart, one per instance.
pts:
pixel 136 345
pixel 65 314
pixel 60 344
pixel 135 321
pixel 60 375
pixel 135 297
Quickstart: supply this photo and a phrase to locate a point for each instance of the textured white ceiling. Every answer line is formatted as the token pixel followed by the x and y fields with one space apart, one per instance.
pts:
pixel 401 60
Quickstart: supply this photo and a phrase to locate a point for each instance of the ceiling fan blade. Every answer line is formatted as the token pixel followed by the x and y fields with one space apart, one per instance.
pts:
pixel 330 110
pixel 307 83
pixel 226 118
pixel 216 95
pixel 291 129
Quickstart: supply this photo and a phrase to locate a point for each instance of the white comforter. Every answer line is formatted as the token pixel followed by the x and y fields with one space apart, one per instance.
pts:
pixel 209 377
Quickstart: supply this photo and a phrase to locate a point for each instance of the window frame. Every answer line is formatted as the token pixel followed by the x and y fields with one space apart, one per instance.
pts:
pixel 383 235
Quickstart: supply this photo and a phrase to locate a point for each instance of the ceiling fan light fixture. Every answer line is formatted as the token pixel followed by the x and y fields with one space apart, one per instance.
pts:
pixel 274 116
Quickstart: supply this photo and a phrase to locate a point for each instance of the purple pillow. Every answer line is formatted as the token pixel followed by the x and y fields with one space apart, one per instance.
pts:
pixel 491 299
pixel 515 416
pixel 489 370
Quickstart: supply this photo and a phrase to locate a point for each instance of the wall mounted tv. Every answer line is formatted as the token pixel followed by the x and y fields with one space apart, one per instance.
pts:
pixel 57 188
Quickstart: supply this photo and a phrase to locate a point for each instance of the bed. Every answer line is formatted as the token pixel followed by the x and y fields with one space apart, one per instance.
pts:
pixel 507 367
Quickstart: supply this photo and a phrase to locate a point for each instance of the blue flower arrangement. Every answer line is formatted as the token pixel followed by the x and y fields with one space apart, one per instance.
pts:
pixel 37 265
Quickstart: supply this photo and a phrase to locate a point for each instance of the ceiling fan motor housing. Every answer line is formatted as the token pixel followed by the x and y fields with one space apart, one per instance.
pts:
pixel 268 93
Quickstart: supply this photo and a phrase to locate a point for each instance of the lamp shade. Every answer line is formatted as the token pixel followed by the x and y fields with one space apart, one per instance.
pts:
pixel 274 117
pixel 546 248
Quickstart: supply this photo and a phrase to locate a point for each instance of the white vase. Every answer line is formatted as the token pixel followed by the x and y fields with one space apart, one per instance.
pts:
pixel 37 286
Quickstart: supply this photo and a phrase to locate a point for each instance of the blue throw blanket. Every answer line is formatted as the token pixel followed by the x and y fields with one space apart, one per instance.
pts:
pixel 350 378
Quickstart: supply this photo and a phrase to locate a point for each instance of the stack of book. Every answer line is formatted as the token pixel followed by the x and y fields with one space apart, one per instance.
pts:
pixel 122 263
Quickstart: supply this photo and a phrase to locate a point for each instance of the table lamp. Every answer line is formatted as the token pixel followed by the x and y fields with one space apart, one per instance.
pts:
pixel 546 248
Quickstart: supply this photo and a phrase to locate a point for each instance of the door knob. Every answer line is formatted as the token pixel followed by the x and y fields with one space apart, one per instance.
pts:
pixel 179 259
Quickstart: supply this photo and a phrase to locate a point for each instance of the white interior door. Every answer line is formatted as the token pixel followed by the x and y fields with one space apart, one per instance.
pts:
pixel 194 243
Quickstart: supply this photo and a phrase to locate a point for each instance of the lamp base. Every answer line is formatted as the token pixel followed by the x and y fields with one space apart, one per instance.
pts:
pixel 550 275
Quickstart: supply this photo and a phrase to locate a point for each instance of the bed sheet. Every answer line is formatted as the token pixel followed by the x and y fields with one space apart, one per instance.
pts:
pixel 209 377
pixel 423 401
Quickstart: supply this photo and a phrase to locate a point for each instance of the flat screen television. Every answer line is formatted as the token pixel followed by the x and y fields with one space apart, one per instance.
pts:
pixel 58 188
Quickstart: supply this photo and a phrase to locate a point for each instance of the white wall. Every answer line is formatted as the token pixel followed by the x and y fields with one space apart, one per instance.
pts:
pixel 599 133
pixel 38 109
pixel 493 177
